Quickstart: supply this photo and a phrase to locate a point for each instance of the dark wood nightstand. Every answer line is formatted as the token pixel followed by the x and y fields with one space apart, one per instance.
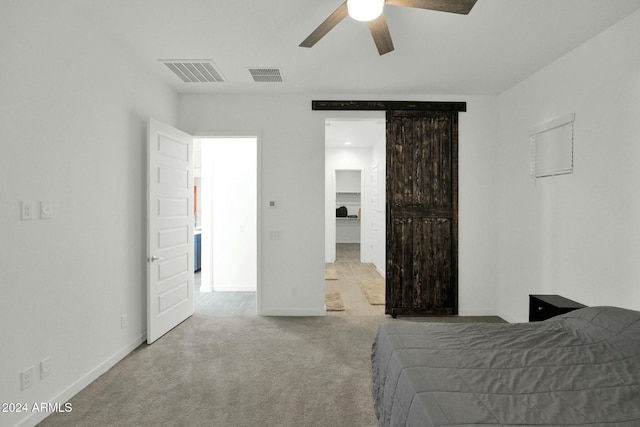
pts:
pixel 543 307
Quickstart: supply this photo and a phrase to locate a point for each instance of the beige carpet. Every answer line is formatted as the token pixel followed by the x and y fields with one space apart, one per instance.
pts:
pixel 238 371
pixel 241 371
pixel 333 301
pixel 330 274
pixel 374 290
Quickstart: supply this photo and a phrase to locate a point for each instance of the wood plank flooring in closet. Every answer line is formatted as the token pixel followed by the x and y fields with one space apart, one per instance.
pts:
pixel 355 302
pixel 350 269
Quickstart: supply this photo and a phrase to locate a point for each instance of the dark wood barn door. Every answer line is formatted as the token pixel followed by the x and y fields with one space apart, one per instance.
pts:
pixel 422 213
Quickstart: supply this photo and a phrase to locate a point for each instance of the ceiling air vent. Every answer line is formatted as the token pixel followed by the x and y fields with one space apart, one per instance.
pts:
pixel 267 75
pixel 194 70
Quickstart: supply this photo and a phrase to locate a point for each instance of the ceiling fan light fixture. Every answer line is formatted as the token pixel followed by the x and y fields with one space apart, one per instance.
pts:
pixel 365 10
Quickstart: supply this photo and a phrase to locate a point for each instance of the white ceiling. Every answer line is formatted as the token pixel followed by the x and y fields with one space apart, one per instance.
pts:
pixel 360 133
pixel 497 45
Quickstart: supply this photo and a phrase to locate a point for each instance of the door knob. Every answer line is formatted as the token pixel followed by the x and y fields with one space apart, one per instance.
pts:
pixel 154 258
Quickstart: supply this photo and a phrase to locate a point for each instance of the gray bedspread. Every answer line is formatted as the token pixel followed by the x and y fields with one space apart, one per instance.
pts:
pixel 578 369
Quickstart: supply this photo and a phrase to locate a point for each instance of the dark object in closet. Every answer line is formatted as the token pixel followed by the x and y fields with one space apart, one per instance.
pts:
pixel 341 212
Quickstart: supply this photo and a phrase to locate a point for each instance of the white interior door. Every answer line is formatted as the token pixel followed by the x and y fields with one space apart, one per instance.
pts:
pixel 170 221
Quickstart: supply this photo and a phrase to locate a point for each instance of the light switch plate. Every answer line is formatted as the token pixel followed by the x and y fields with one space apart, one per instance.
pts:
pixel 45 209
pixel 45 368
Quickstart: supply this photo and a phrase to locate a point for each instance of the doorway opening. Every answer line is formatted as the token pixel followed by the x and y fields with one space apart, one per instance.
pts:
pixel 348 215
pixel 355 151
pixel 226 218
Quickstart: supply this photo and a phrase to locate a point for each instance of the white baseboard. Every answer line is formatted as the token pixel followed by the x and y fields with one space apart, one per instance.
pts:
pixel 476 312
pixel 234 288
pixel 83 381
pixel 292 312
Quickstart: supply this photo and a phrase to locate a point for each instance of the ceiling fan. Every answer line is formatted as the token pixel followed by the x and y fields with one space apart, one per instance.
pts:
pixel 370 11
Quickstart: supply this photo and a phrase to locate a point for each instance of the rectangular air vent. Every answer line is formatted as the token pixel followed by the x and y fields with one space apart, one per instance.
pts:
pixel 194 70
pixel 266 75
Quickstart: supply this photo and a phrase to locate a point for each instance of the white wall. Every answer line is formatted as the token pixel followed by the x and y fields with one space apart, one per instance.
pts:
pixel 230 227
pixel 377 218
pixel 73 131
pixel 293 174
pixel 477 201
pixel 349 181
pixel 575 235
pixel 292 148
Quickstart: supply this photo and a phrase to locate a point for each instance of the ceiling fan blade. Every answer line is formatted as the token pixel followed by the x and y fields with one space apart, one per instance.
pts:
pixel 334 19
pixel 381 35
pixel 454 6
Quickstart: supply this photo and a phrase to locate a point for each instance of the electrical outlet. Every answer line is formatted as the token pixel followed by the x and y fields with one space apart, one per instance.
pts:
pixel 26 378
pixel 26 210
pixel 45 368
pixel 275 235
pixel 123 321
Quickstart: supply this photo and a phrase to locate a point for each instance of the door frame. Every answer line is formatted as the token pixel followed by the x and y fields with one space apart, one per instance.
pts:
pixel 258 136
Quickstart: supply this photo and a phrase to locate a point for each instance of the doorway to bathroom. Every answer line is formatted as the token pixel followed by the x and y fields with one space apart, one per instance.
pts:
pixel 226 219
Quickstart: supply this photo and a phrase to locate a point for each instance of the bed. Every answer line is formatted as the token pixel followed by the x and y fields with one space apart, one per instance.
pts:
pixel 578 369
